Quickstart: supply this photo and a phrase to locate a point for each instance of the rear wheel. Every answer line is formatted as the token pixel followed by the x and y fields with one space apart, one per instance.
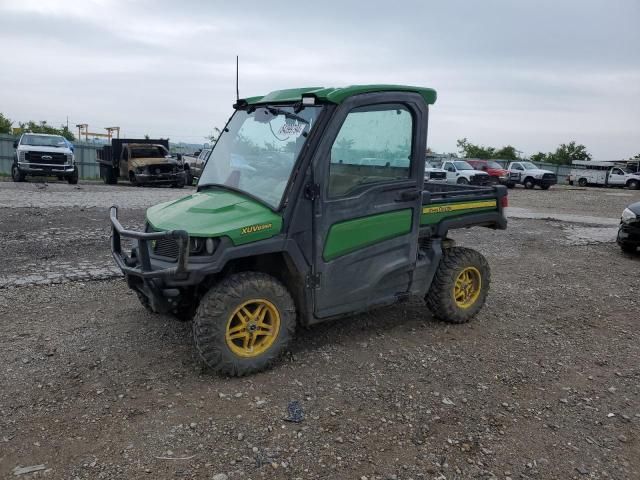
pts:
pixel 108 175
pixel 188 177
pixel 244 323
pixel 529 183
pixel 460 286
pixel 16 174
pixel 582 182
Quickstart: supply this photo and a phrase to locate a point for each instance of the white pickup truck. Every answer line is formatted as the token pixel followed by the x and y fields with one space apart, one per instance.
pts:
pixel 41 154
pixel 605 174
pixel 462 173
pixel 527 174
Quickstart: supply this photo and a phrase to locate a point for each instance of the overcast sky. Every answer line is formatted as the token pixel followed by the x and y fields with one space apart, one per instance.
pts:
pixel 528 73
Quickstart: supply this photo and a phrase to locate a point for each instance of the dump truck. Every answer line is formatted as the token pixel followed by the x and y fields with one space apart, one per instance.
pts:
pixel 141 161
pixel 313 206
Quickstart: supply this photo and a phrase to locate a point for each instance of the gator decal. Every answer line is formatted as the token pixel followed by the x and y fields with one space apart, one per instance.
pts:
pixel 351 235
pixel 255 228
pixel 435 213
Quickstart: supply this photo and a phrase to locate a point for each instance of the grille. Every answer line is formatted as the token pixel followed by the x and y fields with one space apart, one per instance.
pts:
pixel 158 169
pixel 49 158
pixel 437 175
pixel 483 180
pixel 166 247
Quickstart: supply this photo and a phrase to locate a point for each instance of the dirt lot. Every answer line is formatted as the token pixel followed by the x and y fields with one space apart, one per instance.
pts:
pixel 543 384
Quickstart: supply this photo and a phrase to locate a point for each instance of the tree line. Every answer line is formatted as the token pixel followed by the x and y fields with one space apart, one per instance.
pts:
pixel 6 126
pixel 563 155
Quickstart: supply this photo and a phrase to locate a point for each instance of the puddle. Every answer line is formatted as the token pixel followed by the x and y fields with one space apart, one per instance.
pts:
pixel 516 212
pixel 589 235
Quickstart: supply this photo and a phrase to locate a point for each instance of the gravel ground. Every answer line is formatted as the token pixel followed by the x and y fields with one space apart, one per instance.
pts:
pixel 543 384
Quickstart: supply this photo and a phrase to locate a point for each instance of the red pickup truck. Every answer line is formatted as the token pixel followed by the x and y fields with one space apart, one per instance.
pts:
pixel 494 169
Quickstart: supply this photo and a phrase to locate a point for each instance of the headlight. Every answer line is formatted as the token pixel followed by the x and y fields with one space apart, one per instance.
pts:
pixel 628 215
pixel 202 246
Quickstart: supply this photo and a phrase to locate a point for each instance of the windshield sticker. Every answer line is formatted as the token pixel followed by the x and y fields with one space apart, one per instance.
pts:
pixel 291 130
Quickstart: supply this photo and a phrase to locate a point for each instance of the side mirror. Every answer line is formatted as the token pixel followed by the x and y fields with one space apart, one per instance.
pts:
pixel 15 144
pixel 179 156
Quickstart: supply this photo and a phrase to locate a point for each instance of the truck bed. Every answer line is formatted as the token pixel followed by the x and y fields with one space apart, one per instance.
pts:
pixel 446 206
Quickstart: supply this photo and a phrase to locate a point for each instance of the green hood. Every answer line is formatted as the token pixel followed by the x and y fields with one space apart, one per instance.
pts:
pixel 216 213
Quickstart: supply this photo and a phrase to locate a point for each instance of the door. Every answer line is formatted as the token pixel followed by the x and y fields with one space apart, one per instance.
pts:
pixel 515 172
pixel 452 173
pixel 617 177
pixel 369 169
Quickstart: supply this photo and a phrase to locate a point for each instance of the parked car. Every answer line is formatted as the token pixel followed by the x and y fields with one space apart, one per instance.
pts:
pixel 194 164
pixel 141 161
pixel 497 173
pixel 607 174
pixel 629 230
pixel 527 174
pixel 40 154
pixel 433 173
pixel 461 173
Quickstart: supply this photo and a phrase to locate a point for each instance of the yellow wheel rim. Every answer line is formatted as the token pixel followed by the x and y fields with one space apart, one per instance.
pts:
pixel 252 328
pixel 467 286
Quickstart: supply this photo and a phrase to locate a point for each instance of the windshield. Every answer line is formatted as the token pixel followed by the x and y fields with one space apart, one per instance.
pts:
pixel 43 141
pixel 257 151
pixel 528 166
pixel 148 151
pixel 461 165
pixel 494 165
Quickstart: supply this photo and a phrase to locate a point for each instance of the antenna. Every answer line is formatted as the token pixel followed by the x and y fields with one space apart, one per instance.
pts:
pixel 237 87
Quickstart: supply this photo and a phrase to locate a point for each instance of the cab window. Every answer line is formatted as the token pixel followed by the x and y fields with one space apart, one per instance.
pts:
pixel 373 146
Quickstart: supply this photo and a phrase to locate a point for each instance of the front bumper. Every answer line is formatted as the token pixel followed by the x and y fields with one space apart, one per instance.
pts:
pixel 629 234
pixel 139 263
pixel 170 177
pixel 546 182
pixel 46 169
pixel 141 275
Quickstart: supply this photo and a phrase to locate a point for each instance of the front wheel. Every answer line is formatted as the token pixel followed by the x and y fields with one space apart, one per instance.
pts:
pixel 511 185
pixel 244 323
pixel 627 248
pixel 73 178
pixel 545 187
pixel 529 183
pixel 462 181
pixel 633 185
pixel 16 174
pixel 460 286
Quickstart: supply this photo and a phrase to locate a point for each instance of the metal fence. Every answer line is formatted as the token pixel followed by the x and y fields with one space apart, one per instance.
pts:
pixel 85 154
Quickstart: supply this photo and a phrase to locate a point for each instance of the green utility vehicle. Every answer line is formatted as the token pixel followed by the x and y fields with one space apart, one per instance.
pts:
pixel 313 205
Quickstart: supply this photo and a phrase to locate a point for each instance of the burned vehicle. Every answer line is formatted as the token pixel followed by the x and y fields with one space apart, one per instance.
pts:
pixel 142 162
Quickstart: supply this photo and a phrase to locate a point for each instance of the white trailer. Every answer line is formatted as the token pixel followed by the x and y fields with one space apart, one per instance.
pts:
pixel 606 173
